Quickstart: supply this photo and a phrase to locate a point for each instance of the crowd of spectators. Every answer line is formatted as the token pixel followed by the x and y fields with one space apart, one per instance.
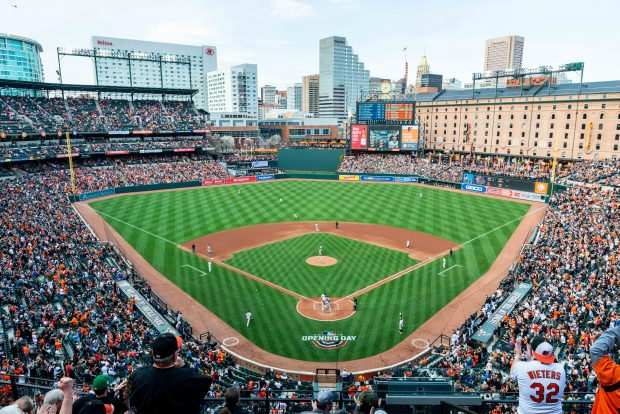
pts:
pixel 438 169
pixel 42 115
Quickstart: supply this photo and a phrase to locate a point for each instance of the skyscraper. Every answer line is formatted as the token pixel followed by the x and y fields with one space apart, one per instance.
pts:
pixel 293 97
pixel 423 69
pixel 310 94
pixel 343 78
pixel 234 90
pixel 503 53
pixel 268 94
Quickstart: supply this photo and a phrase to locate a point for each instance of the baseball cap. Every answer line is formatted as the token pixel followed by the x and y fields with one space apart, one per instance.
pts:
pixel 325 397
pixel 542 350
pixel 367 399
pixel 101 382
pixel 165 345
pixel 96 407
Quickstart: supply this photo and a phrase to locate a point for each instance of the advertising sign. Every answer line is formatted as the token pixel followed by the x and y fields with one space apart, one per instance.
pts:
pixel 96 194
pixel 406 179
pixel 383 139
pixel 150 151
pixel 473 187
pixel 116 152
pixel 541 187
pixel 184 149
pixel 213 182
pixel 410 138
pixel 118 132
pixel 260 164
pixel 349 177
pixel 245 179
pixel 265 177
pixel 359 137
pixel 377 178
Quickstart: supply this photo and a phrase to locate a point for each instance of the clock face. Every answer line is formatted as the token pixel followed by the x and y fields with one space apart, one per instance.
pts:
pixel 386 86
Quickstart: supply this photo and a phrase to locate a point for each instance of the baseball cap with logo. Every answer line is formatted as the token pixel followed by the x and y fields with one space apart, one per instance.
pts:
pixel 101 382
pixel 542 350
pixel 165 345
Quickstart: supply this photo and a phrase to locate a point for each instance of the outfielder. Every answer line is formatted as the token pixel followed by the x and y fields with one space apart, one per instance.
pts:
pixel 321 249
pixel 401 324
pixel 281 201
pixel 248 318
pixel 443 262
pixel 209 264
pixel 541 380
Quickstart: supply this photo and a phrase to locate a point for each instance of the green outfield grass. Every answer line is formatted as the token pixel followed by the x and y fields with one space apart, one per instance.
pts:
pixel 284 263
pixel 156 223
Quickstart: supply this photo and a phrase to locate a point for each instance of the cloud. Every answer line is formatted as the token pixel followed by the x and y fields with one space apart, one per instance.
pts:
pixel 194 32
pixel 291 9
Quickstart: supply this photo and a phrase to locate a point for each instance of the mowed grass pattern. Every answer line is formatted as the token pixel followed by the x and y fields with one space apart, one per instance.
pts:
pixel 175 217
pixel 284 263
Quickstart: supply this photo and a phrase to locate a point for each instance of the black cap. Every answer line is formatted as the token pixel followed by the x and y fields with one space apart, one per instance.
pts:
pixel 164 346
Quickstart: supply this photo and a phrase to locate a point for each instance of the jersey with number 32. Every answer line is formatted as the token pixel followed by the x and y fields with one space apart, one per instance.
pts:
pixel 541 386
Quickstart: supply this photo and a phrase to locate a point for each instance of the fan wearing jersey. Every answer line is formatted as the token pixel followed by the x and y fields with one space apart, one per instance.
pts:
pixel 541 380
pixel 607 370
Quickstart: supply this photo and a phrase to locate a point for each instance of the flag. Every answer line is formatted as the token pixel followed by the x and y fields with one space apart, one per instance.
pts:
pixel 404 49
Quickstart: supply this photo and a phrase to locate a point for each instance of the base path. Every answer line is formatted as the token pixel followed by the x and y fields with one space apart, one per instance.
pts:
pixel 443 322
pixel 225 244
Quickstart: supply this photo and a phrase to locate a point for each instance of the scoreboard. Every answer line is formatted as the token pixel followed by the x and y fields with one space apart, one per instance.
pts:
pixel 538 187
pixel 385 113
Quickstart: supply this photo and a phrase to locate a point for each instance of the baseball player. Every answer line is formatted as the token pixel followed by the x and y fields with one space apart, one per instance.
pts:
pixel 295 216
pixel 248 318
pixel 408 243
pixel 193 248
pixel 209 250
pixel 238 191
pixel 541 380
pixel 443 262
pixel 281 200
pixel 421 196
pixel 209 264
pixel 337 224
pixel 401 324
pixel 321 249
pixel 316 227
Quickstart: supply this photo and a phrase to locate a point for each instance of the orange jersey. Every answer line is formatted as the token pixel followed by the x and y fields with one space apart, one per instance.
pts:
pixel 608 396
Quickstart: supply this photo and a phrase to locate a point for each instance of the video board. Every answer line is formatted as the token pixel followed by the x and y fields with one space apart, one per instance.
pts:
pixel 537 187
pixel 382 138
pixel 359 136
pixel 385 113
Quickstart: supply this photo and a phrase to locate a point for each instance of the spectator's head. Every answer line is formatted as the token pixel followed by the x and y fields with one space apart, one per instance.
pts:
pixel 366 402
pixel 100 385
pixel 542 350
pixel 54 397
pixel 325 400
pixel 232 396
pixel 165 348
pixel 20 406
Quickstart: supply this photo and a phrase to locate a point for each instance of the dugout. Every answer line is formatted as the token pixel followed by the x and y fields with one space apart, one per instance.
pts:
pixel 309 159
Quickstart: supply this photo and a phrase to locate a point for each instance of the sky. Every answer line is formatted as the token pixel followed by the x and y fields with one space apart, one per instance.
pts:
pixel 282 36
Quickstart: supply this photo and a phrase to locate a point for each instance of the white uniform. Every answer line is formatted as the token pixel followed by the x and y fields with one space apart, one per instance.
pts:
pixel 408 243
pixel 209 251
pixel 401 324
pixel 209 264
pixel 321 250
pixel 316 227
pixel 295 216
pixel 541 386
pixel 248 318
pixel 443 262
pixel 281 201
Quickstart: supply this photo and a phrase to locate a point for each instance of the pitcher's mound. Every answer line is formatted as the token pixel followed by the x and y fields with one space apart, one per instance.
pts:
pixel 321 261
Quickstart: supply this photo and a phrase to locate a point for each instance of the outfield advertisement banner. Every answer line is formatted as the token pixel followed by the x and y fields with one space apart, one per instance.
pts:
pixel 265 177
pixel 348 177
pixel 96 194
pixel 213 182
pixel 406 179
pixel 524 195
pixel 473 187
pixel 379 178
pixel 260 164
pixel 485 332
pixel 150 151
pixel 184 149
pixel 246 179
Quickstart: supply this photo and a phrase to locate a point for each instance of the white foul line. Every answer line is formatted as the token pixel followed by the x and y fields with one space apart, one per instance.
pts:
pixel 445 270
pixel 198 270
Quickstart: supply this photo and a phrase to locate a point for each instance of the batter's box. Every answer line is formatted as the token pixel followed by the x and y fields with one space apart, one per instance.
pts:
pixel 318 306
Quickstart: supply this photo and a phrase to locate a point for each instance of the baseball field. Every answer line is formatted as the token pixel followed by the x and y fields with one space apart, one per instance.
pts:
pixel 263 237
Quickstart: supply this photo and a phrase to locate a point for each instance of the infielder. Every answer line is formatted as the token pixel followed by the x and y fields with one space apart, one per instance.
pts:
pixel 209 264
pixel 321 249
pixel 401 324
pixel 248 318
pixel 316 227
pixel 193 248
pixel 408 243
pixel 209 250
pixel 541 380
pixel 295 216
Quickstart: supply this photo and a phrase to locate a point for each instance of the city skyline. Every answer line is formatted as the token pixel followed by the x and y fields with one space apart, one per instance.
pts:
pixel 289 48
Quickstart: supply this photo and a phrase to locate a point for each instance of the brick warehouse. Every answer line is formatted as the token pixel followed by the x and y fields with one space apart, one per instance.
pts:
pixel 530 122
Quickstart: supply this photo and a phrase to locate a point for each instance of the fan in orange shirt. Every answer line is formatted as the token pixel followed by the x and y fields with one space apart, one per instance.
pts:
pixel 607 399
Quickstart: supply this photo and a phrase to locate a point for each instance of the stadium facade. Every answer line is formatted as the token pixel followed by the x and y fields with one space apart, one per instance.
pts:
pixel 116 72
pixel 581 122
pixel 20 60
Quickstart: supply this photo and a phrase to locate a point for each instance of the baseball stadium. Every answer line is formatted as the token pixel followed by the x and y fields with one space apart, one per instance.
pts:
pixel 386 260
